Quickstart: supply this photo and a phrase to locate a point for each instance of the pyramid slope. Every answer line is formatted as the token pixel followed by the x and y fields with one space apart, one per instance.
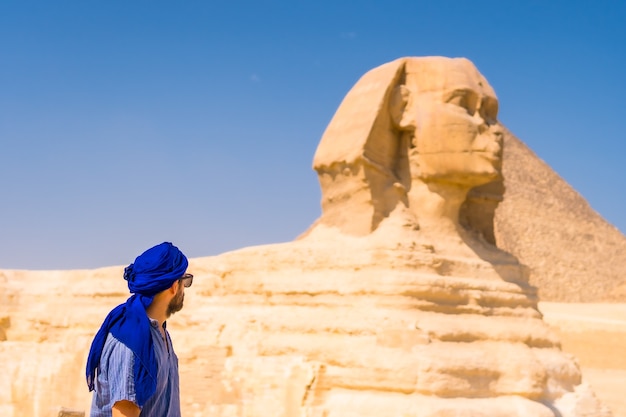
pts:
pixel 573 253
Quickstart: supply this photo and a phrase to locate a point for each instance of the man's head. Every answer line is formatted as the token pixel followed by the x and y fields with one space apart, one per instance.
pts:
pixel 156 270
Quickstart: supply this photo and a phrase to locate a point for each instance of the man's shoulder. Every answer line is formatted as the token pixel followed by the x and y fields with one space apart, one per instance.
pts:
pixel 115 350
pixel 113 341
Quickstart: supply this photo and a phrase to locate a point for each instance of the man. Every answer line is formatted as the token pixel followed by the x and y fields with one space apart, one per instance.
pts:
pixel 132 365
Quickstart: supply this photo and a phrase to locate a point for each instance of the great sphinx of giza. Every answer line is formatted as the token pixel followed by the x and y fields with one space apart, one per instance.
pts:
pixel 396 302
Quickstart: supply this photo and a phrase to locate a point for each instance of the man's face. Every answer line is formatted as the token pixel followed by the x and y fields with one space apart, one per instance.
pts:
pixel 457 138
pixel 176 303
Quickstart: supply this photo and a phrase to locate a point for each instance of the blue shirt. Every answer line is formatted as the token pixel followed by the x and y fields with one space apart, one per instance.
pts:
pixel 115 382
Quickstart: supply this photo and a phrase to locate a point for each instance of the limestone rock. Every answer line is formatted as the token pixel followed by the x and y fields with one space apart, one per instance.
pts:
pixel 359 338
pixel 53 315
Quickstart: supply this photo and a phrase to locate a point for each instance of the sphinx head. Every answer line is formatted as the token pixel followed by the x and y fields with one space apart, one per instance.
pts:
pixel 406 128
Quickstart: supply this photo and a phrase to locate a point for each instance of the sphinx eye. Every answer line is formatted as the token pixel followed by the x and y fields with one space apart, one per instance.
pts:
pixel 489 110
pixel 465 99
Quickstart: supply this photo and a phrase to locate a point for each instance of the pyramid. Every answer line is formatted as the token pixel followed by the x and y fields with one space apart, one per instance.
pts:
pixel 574 255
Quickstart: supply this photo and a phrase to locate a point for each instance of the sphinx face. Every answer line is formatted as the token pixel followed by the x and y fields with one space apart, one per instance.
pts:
pixel 457 138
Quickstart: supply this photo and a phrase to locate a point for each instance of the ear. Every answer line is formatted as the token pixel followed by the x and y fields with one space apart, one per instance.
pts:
pixel 400 107
pixel 174 288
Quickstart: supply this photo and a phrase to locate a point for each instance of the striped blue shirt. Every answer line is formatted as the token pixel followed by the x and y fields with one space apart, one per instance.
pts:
pixel 115 382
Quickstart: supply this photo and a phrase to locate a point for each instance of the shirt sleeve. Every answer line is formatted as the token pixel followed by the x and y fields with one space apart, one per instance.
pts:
pixel 115 379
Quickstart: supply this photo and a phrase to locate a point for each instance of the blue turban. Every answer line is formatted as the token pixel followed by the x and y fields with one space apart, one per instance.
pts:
pixel 154 271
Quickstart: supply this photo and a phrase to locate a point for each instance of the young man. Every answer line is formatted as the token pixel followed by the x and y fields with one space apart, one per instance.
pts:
pixel 132 365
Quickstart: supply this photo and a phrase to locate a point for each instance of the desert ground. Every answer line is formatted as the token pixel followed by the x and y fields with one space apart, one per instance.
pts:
pixel 596 335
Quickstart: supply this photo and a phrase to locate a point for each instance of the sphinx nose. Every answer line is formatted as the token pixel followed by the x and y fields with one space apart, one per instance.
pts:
pixel 480 122
pixel 497 132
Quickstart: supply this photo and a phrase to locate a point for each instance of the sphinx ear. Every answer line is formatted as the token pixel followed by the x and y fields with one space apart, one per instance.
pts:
pixel 400 108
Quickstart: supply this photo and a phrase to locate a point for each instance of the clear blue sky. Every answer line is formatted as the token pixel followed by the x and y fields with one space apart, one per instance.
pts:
pixel 127 123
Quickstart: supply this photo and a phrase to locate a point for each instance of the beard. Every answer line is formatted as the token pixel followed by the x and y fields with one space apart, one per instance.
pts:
pixel 176 303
